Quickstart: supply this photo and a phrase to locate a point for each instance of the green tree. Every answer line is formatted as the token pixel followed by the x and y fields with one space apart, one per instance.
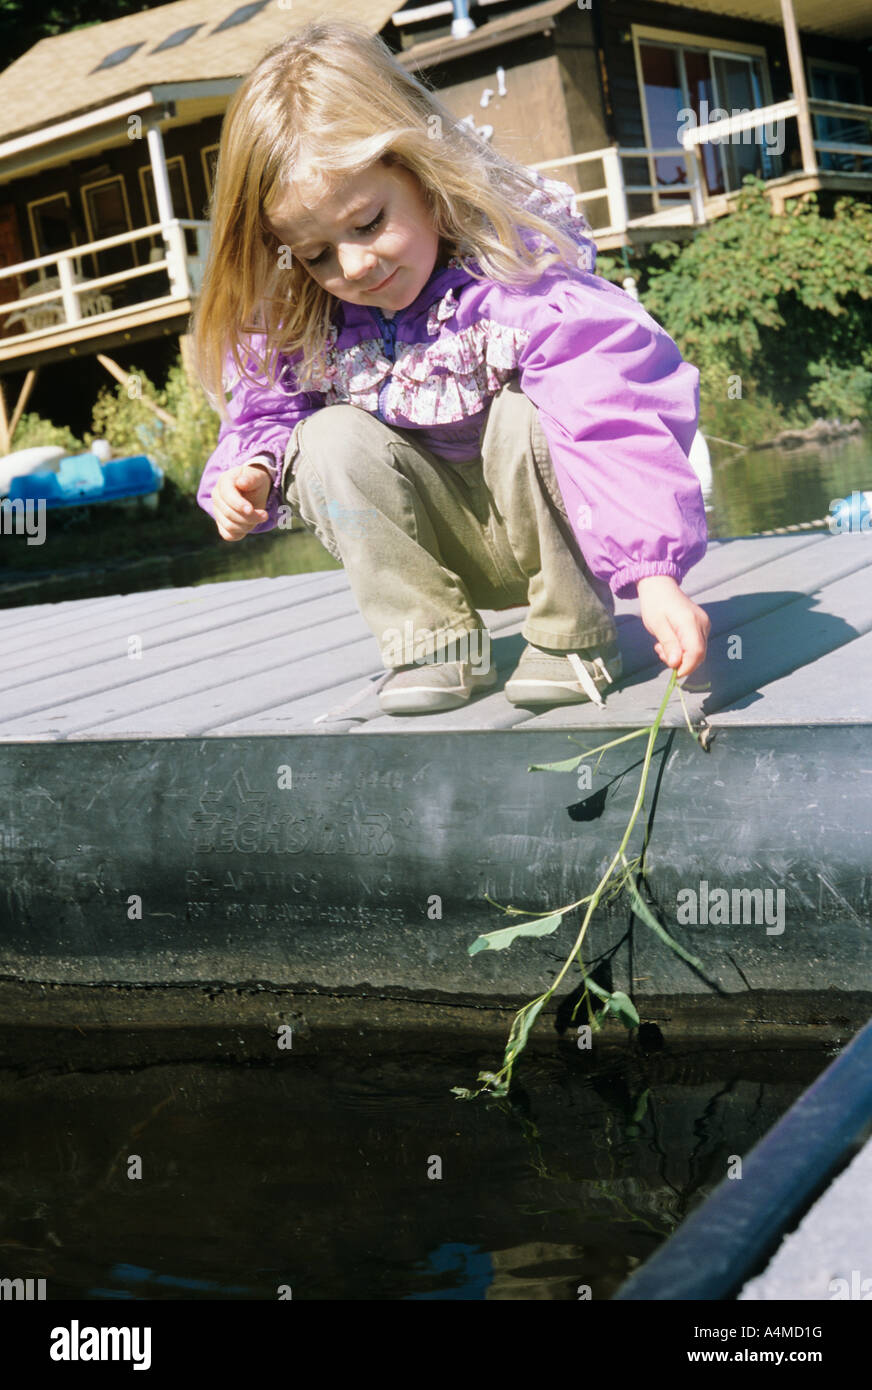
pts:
pixel 779 301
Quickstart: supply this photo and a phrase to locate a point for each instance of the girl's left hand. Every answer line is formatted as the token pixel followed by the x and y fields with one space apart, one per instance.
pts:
pixel 680 625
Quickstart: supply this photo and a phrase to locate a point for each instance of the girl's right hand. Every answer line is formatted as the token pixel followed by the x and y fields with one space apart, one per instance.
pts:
pixel 238 500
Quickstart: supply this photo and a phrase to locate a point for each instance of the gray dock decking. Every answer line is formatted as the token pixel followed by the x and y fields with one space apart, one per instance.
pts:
pixel 156 776
pixel 213 663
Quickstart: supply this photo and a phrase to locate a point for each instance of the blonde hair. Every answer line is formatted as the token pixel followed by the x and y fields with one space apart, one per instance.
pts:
pixel 331 97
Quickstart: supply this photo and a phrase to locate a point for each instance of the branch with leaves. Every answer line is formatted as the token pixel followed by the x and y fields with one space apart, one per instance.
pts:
pixel 616 1002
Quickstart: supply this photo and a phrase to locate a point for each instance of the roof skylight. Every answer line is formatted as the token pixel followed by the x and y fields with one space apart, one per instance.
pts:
pixel 119 56
pixel 179 37
pixel 245 12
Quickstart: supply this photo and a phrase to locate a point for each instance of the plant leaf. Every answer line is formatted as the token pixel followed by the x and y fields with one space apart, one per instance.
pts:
pixel 597 989
pixel 499 940
pixel 620 1005
pixel 641 1107
pixel 566 766
pixel 520 1030
pixel 644 913
pixel 616 1003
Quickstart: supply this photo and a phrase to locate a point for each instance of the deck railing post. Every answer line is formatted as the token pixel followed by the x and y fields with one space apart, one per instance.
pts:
pixel 72 308
pixel 800 92
pixel 695 173
pixel 177 255
pixel 614 181
pixel 174 240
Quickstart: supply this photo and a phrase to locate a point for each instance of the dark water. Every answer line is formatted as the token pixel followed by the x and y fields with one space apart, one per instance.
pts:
pixel 321 1171
pixel 751 491
pixel 279 553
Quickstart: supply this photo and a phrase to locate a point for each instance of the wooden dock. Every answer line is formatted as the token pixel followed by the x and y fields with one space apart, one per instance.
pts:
pixel 149 834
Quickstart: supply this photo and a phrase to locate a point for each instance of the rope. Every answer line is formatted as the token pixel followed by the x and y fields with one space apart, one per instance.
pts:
pixel 823 523
pixel 732 444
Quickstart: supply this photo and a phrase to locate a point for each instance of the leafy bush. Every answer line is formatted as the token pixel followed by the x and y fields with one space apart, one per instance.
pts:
pixel 841 393
pixel 776 301
pixel 32 431
pixel 181 450
pixel 119 414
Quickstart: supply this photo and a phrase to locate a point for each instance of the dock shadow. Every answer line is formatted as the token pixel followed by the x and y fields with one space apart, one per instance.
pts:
pixel 755 639
pixel 749 650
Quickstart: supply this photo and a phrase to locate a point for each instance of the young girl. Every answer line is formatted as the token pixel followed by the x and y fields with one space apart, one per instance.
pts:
pixel 423 366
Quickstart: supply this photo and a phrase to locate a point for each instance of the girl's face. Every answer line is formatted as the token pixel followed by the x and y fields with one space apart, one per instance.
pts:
pixel 376 227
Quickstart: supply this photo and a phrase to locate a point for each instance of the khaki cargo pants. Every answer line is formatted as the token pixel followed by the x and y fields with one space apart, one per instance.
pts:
pixel 427 542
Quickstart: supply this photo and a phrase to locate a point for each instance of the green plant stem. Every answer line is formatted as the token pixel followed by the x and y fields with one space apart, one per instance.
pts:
pixel 691 729
pixel 640 797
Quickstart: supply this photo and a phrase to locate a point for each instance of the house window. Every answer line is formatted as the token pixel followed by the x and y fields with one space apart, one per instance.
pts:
pixel 179 37
pixel 682 85
pixel 53 228
pixel 240 16
pixel 107 214
pixel 839 82
pixel 119 56
pixel 51 224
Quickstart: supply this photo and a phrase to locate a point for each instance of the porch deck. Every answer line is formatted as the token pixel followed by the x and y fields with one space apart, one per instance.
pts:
pixel 62 342
pixel 154 784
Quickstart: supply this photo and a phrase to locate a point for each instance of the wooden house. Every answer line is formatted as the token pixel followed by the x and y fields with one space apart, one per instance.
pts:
pixel 653 112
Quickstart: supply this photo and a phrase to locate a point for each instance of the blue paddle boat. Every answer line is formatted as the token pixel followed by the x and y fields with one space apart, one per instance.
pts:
pixel 84 479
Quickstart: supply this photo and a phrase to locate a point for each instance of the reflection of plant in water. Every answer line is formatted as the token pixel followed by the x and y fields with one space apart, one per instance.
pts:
pixel 615 1001
pixel 531 1134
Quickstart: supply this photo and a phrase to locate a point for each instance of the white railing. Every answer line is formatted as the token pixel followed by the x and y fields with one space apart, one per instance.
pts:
pixel 861 115
pixel 687 204
pixel 615 189
pixel 68 299
pixel 716 132
pixel 719 132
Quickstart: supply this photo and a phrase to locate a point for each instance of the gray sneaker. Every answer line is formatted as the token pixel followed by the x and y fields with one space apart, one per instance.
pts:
pixel 430 687
pixel 563 678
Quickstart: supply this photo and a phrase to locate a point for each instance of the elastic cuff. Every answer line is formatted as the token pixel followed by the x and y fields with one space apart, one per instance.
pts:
pixel 267 461
pixel 623 582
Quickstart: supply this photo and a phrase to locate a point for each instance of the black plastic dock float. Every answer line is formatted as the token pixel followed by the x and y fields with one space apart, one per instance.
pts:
pixel 149 836
pixel 720 1245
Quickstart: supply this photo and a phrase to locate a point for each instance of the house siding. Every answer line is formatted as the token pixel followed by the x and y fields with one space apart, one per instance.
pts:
pixel 578 57
pixel 530 122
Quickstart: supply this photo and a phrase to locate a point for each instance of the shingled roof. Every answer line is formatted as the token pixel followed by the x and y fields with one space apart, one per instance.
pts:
pixel 62 76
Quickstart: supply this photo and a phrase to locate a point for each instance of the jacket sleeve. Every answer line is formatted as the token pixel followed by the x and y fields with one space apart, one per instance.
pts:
pixel 619 409
pixel 259 424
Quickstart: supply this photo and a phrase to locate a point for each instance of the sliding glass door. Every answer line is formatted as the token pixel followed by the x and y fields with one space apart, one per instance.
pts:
pixel 739 87
pixel 666 77
pixel 682 86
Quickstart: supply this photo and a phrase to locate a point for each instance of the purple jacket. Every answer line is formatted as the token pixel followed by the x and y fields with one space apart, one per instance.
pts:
pixel 617 404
